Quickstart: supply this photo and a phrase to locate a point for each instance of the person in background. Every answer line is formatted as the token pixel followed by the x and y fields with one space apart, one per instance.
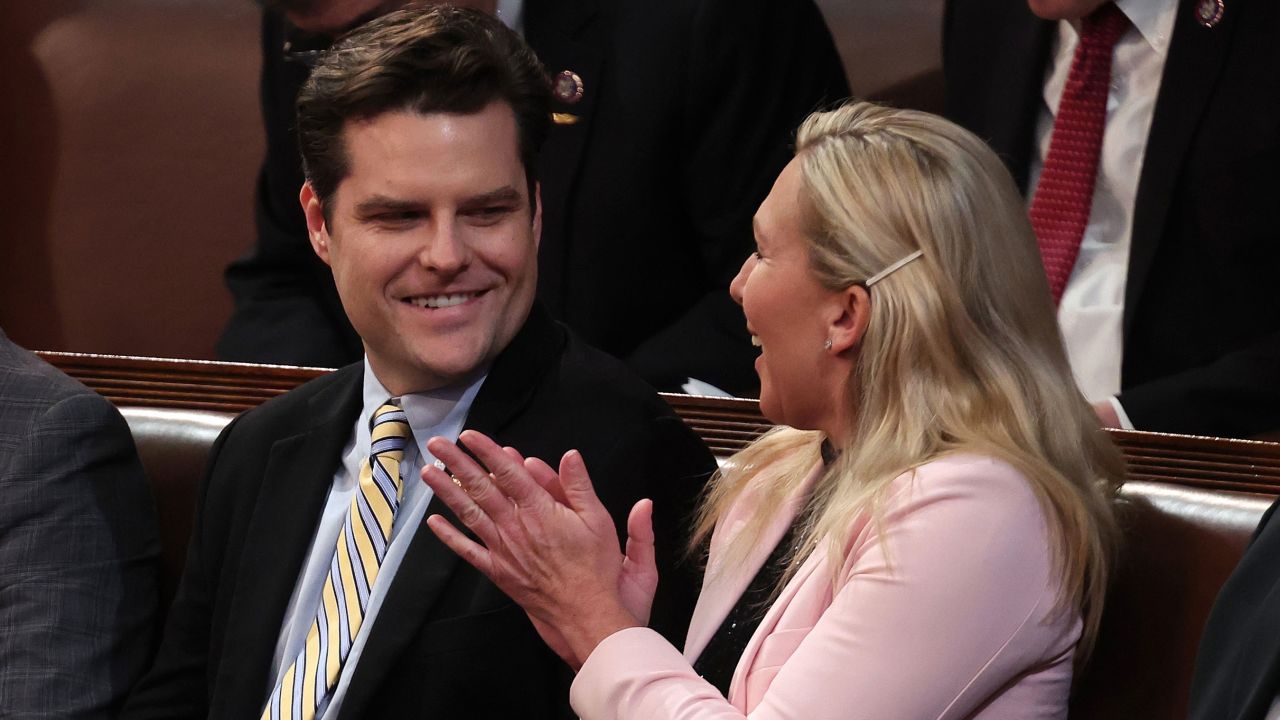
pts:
pixel 309 589
pixel 1144 138
pixel 79 547
pixel 929 534
pixel 670 121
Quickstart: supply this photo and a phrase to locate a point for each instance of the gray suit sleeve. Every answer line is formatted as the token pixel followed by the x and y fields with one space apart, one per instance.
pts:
pixel 78 564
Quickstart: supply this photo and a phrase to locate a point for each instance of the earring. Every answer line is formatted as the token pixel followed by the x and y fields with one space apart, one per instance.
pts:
pixel 827 345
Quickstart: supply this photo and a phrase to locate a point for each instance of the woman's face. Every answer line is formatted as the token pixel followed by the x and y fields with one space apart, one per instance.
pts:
pixel 788 314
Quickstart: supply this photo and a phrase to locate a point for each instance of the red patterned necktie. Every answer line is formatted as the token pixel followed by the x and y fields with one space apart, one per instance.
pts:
pixel 1060 208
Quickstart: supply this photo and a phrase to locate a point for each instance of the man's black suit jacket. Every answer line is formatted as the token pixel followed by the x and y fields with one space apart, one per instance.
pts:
pixel 1237 673
pixel 688 114
pixel 446 643
pixel 1201 310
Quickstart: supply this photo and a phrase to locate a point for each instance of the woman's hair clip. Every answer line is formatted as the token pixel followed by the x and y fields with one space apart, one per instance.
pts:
pixel 889 270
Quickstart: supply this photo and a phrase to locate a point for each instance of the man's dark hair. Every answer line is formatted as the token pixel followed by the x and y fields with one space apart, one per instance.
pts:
pixel 423 59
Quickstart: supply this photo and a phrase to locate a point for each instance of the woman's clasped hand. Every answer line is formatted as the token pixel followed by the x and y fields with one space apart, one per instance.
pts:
pixel 548 542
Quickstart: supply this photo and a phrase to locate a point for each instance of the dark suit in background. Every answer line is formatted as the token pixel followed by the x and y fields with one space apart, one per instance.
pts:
pixel 79 553
pixel 687 116
pixel 446 643
pixel 1201 344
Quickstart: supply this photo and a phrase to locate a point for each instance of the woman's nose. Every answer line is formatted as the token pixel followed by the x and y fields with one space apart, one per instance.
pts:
pixel 735 287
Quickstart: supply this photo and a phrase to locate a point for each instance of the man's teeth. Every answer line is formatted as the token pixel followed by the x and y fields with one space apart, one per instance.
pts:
pixel 441 301
pixel 755 341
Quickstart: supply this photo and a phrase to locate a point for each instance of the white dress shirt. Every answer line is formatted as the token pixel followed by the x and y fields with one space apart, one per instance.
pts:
pixel 439 412
pixel 1091 313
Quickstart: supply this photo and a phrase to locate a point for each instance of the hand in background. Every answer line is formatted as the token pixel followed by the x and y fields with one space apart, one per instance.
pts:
pixel 548 542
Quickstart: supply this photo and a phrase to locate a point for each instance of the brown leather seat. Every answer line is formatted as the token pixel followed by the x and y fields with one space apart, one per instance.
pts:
pixel 1181 543
pixel 174 447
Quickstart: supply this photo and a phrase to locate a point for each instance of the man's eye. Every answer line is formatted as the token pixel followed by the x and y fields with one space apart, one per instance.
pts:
pixel 397 217
pixel 491 212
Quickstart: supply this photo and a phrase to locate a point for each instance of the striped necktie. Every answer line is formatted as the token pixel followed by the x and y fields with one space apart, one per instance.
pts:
pixel 366 533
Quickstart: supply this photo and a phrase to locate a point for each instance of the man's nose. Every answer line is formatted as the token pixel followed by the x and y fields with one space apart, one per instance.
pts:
pixel 446 250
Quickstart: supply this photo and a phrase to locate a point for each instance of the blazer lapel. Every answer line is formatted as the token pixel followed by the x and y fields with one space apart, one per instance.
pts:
pixel 722 587
pixel 428 564
pixel 299 474
pixel 1195 61
pixel 561 32
pixel 738 688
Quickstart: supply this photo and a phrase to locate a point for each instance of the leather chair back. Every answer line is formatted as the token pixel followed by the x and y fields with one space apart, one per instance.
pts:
pixel 174 448
pixel 1181 543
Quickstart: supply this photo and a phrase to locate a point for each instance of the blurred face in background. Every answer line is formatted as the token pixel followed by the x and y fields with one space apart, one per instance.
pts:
pixel 335 17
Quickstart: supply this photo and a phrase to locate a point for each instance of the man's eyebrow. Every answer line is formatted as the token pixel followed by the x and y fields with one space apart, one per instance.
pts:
pixel 503 194
pixel 384 203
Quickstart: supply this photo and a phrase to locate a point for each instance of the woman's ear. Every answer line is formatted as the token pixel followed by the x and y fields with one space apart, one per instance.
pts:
pixel 851 315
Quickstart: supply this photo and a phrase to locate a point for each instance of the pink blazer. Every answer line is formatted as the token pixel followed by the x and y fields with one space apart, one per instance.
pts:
pixel 949 612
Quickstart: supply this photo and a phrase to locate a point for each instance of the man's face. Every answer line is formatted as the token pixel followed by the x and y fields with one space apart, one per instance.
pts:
pixel 432 242
pixel 1064 9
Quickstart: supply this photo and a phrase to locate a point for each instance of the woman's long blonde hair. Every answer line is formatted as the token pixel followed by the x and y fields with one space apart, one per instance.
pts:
pixel 962 352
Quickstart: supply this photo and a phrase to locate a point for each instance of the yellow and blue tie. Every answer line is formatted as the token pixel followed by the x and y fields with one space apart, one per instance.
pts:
pixel 361 546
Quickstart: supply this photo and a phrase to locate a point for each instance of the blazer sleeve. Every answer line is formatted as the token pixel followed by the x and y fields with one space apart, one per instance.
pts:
pixel 79 560
pixel 934 616
pixel 1237 395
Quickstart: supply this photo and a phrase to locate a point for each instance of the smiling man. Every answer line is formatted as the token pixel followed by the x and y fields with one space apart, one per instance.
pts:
pixel 310 589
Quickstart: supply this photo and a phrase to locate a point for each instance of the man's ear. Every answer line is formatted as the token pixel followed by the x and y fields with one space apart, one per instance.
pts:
pixel 851 314
pixel 317 229
pixel 537 214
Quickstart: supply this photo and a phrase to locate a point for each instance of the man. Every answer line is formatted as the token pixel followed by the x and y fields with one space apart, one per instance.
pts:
pixel 79 554
pixel 672 120
pixel 310 583
pixel 1169 312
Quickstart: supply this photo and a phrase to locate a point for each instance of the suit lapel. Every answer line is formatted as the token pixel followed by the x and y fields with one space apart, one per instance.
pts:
pixel 299 474
pixel 428 564
pixel 714 604
pixel 740 693
pixel 564 34
pixel 1195 61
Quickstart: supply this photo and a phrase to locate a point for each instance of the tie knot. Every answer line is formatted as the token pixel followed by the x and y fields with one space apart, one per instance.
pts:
pixel 1103 27
pixel 389 428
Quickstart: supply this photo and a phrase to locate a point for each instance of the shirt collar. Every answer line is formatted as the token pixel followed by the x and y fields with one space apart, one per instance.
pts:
pixel 1153 19
pixel 425 410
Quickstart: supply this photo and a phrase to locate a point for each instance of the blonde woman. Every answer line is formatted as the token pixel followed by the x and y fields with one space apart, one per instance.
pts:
pixel 929 534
